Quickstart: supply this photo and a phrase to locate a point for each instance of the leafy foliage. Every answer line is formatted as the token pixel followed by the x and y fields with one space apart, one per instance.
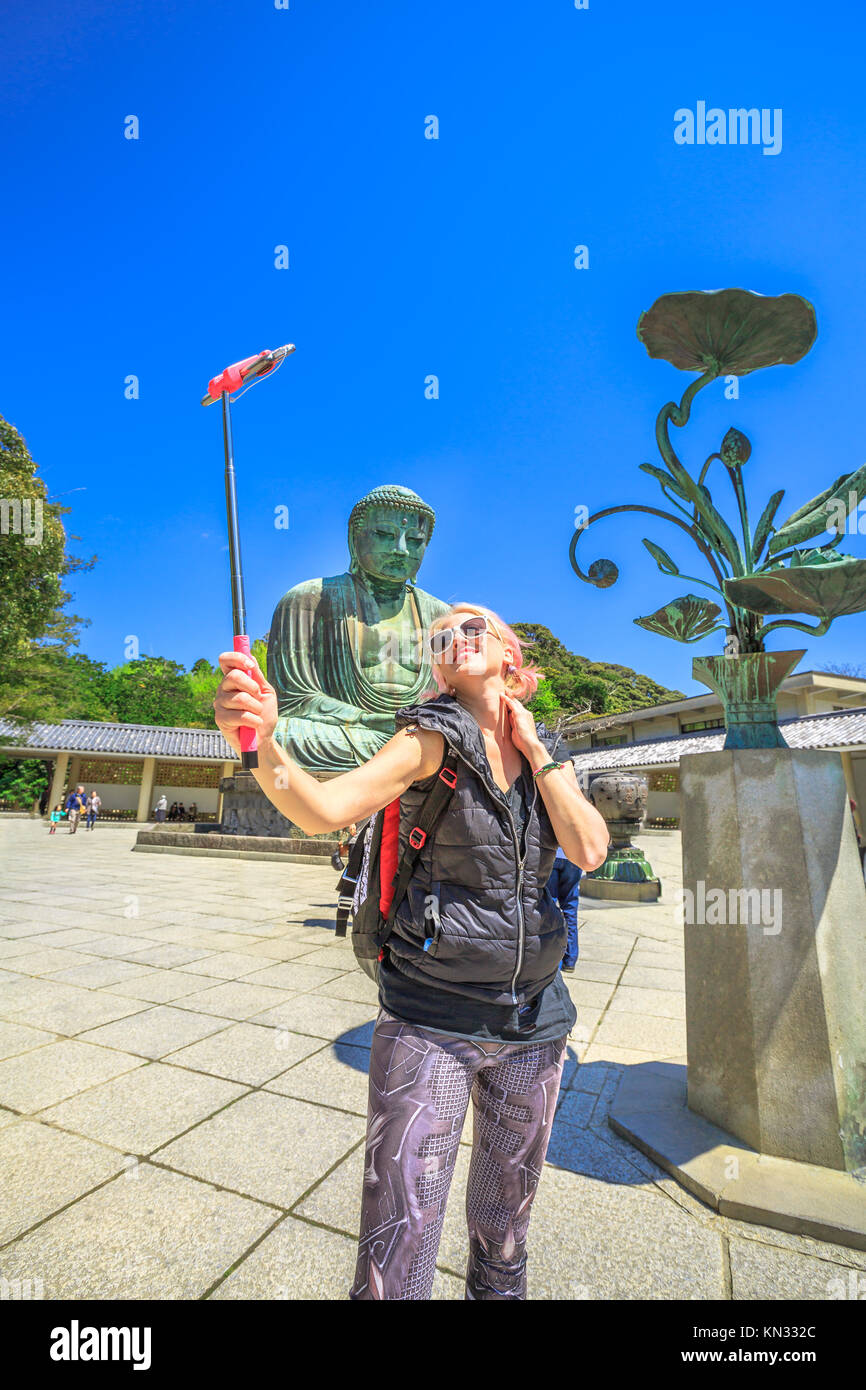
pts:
pixel 573 684
pixel 36 636
pixel 22 782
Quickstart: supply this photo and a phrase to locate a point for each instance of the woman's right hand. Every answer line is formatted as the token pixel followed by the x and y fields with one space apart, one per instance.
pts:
pixel 243 697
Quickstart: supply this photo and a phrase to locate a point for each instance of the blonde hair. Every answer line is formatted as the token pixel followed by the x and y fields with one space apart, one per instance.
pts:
pixel 521 680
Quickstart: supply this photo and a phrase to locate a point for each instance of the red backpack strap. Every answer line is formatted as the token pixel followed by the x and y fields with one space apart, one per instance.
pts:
pixel 429 813
pixel 388 854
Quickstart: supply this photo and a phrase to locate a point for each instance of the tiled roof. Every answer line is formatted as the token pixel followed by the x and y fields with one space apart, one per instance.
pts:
pixel 142 740
pixel 839 729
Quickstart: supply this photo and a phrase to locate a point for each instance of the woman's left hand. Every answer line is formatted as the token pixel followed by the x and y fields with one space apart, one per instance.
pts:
pixel 523 732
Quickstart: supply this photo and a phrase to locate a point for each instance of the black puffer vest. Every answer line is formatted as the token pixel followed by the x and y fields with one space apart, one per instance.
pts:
pixel 492 930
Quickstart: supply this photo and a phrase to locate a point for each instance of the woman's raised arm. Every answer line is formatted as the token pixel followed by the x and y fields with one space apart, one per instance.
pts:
pixel 244 697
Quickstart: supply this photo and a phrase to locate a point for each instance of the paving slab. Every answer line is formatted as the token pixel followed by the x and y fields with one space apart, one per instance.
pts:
pixel 159 986
pixel 24 993
pixel 148 1234
pixel 238 999
pixel 148 1107
pixel 600 971
pixel 333 1019
pixel 247 1052
pixel 171 956
pixel 43 1170
pixel 294 1143
pixel 337 1076
pixel 155 1032
pixel 765 1272
pixel 355 986
pixel 100 973
pixel 642 1032
pixel 295 976
pixel 75 1013
pixel 651 977
pixel 660 1003
pixel 16 1038
pixel 32 1080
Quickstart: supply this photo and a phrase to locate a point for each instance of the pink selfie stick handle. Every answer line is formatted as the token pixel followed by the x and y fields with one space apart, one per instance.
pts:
pixel 248 738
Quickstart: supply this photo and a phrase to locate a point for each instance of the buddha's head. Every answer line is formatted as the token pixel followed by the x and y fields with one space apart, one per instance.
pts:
pixel 388 533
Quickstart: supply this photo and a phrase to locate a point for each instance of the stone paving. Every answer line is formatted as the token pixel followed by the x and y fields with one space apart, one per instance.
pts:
pixel 183 1071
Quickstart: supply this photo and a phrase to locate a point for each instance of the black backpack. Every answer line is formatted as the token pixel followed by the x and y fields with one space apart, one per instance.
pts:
pixel 375 880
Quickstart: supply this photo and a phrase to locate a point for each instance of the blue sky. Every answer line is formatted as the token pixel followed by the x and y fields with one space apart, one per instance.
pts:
pixel 409 257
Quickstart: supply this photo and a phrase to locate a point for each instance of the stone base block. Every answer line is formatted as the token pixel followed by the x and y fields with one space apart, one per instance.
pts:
pixel 616 891
pixel 650 1111
pixel 305 851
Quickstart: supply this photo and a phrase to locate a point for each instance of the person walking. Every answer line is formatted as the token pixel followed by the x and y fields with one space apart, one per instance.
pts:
pixel 472 1004
pixel 564 886
pixel 161 807
pixel 56 817
pixel 94 802
pixel 75 804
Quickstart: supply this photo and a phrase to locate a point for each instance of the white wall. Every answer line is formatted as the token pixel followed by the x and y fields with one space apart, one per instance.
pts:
pixel 205 798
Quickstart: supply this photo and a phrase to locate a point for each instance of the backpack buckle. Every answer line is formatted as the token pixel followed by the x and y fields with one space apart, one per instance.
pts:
pixel 449 777
pixel 417 837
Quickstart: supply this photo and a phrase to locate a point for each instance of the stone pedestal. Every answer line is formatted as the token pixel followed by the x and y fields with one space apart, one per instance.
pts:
pixel 247 811
pixel 775 953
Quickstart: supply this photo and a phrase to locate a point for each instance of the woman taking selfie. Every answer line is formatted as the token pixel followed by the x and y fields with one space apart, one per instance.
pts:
pixel 473 1006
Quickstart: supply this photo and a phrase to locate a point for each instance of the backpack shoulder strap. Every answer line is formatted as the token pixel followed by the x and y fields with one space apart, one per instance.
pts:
pixel 432 808
pixel 348 879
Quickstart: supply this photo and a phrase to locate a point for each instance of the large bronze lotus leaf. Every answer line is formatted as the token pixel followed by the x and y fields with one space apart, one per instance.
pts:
pixel 684 619
pixel 823 590
pixel 733 332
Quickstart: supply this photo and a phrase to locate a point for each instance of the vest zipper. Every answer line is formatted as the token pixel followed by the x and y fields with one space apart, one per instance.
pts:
pixel 521 860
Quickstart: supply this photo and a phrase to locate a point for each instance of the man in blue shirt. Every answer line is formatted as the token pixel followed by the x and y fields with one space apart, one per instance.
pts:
pixel 564 884
pixel 75 803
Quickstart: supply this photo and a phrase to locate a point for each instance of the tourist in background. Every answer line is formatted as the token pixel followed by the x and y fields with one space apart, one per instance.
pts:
pixel 564 886
pixel 75 804
pixel 94 801
pixel 161 808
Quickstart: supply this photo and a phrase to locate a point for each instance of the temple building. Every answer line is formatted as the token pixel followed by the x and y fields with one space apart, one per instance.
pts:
pixel 817 709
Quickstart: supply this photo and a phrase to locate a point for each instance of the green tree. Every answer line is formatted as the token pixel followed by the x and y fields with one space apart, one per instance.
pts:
pixel 22 781
pixel 574 685
pixel 150 690
pixel 36 636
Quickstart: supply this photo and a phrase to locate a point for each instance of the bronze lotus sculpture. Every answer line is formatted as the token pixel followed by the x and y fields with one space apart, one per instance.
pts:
pixel 769 572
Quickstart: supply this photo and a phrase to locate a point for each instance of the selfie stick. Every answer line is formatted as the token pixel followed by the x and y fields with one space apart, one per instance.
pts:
pixel 222 386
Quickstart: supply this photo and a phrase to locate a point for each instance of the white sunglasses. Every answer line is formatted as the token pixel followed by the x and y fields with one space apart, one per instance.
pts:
pixel 472 629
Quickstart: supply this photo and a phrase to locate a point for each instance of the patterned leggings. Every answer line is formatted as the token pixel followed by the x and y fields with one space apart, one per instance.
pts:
pixel 420 1087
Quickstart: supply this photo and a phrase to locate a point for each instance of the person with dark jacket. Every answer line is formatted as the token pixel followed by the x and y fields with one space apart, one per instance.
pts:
pixel 473 1006
pixel 564 886
pixel 75 804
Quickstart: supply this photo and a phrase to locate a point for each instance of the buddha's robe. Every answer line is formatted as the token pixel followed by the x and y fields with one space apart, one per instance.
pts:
pixel 336 695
